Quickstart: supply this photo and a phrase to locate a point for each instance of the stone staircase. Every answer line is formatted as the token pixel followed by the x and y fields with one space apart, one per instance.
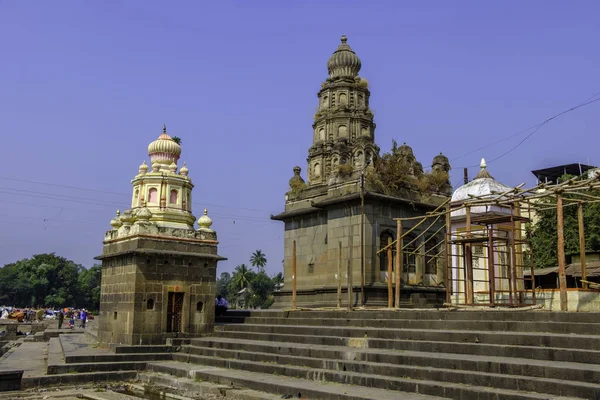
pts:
pixel 408 354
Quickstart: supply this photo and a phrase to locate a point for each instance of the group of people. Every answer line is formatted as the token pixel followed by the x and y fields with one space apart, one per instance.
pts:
pixel 72 315
pixel 38 315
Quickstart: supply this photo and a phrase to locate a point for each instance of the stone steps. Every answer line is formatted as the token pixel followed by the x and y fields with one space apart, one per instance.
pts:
pixel 463 354
pixel 436 324
pixel 371 382
pixel 587 342
pixel 488 315
pixel 431 372
pixel 227 348
pixel 483 349
pixel 281 385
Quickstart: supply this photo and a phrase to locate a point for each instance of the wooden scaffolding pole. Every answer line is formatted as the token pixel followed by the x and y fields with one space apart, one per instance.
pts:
pixel 294 275
pixel 513 255
pixel 491 264
pixel 389 271
pixel 398 262
pixel 562 278
pixel 339 276
pixel 350 288
pixel 531 262
pixel 468 260
pixel 582 245
pixel 447 238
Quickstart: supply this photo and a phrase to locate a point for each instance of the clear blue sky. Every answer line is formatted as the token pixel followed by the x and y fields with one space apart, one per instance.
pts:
pixel 85 86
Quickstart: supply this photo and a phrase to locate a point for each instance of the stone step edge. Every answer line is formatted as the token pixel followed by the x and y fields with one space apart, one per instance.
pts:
pixel 291 335
pixel 406 353
pixel 131 366
pixel 518 378
pixel 400 320
pixel 282 385
pixel 470 332
pixel 119 348
pixel 466 391
pixel 119 355
pixel 59 379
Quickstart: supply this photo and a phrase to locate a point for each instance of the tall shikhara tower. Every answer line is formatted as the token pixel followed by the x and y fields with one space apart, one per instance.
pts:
pixel 325 212
pixel 344 131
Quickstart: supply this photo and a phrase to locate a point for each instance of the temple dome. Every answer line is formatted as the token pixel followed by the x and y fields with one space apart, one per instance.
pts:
pixel 483 184
pixel 441 161
pixel 344 62
pixel 164 150
pixel 205 222
pixel 184 170
pixel 296 179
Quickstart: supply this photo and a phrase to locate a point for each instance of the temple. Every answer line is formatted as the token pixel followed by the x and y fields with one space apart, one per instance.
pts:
pixel 344 211
pixel 158 271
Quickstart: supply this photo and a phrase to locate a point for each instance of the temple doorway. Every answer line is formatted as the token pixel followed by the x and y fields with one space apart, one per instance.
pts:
pixel 174 312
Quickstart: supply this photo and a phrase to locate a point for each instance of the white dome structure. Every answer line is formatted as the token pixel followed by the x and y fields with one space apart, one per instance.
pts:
pixel 482 185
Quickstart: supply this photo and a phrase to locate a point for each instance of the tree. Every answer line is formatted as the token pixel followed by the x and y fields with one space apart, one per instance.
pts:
pixel 278 281
pixel 241 277
pixel 89 285
pixel 47 280
pixel 223 285
pixel 261 290
pixel 258 260
pixel 544 235
pixel 176 139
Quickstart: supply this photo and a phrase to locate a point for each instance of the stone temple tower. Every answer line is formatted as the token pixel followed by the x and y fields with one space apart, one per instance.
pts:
pixel 344 131
pixel 158 272
pixel 339 216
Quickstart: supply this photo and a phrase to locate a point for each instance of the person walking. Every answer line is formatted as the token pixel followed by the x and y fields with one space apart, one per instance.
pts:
pixel 61 318
pixel 83 317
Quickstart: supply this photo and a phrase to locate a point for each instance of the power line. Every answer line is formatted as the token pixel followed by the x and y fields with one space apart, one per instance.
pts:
pixel 119 193
pixel 538 127
pixel 535 128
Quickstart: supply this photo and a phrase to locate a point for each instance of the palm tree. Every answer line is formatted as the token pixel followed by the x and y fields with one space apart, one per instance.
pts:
pixel 278 281
pixel 258 260
pixel 241 277
pixel 176 139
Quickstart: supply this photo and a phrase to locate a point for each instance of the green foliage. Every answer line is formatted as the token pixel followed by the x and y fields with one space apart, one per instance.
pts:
pixel 47 280
pixel 432 182
pixel 394 172
pixel 391 172
pixel 176 139
pixel 259 286
pixel 278 281
pixel 297 188
pixel 261 289
pixel 544 238
pixel 258 260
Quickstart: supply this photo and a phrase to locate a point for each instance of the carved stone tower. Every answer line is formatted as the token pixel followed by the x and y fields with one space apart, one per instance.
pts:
pixel 158 272
pixel 336 218
pixel 344 131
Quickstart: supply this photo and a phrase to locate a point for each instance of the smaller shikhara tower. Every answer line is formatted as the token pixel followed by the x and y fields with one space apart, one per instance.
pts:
pixel 158 272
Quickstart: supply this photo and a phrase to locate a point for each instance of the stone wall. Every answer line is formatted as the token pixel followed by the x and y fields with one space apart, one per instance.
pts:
pixel 137 277
pixel 318 235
